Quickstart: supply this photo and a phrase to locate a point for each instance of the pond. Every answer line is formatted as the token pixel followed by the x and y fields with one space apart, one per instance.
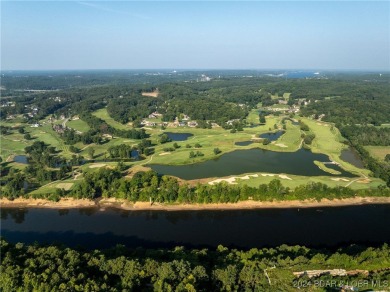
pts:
pixel 272 136
pixel 243 143
pixel 178 136
pixel 238 162
pixel 351 156
pixel 93 228
pixel 21 159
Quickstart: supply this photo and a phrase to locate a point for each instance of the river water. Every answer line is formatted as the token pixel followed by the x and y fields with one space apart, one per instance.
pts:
pixel 93 228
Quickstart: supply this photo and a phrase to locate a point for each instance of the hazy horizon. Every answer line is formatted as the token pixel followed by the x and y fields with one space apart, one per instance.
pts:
pixel 70 35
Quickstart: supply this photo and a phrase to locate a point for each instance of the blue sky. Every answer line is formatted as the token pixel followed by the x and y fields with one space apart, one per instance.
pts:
pixel 199 35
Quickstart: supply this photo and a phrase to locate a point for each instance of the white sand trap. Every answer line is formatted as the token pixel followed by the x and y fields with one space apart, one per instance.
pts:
pixel 97 165
pixel 65 186
pixel 285 176
pixel 146 128
pixel 339 179
pixel 232 180
pixel 281 145
pixel 325 125
pixel 267 174
pixel 164 153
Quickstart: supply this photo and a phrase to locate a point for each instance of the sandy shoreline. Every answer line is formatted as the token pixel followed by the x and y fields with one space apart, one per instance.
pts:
pixel 70 203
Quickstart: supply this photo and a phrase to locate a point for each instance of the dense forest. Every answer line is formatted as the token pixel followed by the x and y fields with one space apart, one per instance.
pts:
pixel 58 268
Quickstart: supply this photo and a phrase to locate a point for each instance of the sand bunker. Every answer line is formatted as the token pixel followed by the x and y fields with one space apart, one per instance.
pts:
pixel 164 153
pixel 267 174
pixel 96 165
pixel 363 181
pixel 281 145
pixel 339 179
pixel 284 177
pixel 232 180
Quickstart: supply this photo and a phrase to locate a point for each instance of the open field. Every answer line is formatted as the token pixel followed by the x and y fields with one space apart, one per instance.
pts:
pixel 378 152
pixel 152 94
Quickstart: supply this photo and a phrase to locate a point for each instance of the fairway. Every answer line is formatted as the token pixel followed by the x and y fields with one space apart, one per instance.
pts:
pixel 78 125
pixel 103 114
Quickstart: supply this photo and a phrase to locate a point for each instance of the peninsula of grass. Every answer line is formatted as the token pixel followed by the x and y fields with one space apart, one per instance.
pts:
pixel 323 167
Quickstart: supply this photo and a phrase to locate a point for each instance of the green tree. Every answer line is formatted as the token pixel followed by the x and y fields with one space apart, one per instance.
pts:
pixel 91 153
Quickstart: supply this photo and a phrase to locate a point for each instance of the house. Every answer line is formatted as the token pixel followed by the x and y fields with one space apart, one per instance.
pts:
pixel 185 117
pixel 230 122
pixel 155 115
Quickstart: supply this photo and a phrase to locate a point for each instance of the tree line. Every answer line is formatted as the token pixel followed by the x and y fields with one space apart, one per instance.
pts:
pixel 59 268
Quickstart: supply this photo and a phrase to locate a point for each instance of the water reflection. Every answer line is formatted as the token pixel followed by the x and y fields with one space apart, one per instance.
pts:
pixel 16 214
pixel 351 156
pixel 63 212
pixel 178 136
pixel 273 136
pixel 233 228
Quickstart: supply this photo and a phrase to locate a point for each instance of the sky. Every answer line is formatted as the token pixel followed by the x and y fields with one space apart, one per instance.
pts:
pixel 330 35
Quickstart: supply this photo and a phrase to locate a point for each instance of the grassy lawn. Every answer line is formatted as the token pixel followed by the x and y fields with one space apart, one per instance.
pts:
pixel 378 152
pixel 53 186
pixel 103 114
pixel 78 125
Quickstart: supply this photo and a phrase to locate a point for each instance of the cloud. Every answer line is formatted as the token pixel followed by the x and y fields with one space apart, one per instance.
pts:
pixel 116 11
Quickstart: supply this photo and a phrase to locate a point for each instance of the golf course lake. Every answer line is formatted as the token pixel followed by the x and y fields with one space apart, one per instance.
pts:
pixel 238 162
pixel 350 155
pixel 273 136
pixel 178 136
pixel 21 159
pixel 94 228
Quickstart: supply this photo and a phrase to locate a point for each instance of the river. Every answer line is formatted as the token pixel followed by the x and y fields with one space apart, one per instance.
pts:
pixel 93 228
